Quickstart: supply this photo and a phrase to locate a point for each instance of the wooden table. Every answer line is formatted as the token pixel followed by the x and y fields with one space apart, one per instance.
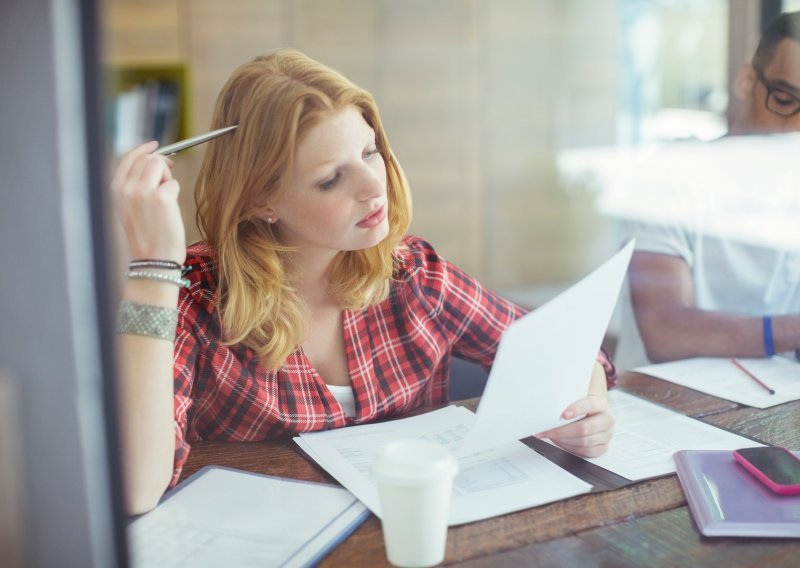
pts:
pixel 643 524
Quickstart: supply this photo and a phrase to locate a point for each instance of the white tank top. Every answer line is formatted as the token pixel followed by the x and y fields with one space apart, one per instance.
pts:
pixel 345 397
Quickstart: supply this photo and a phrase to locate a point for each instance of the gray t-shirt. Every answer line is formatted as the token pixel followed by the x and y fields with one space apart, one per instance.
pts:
pixel 728 276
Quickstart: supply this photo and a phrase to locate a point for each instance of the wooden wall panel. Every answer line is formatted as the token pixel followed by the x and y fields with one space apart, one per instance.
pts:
pixel 143 30
pixel 223 36
pixel 429 59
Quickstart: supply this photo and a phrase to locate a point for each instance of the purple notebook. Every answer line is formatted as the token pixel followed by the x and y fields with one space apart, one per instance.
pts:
pixel 726 500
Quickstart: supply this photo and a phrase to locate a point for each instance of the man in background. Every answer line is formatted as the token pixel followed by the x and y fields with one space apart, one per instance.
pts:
pixel 696 290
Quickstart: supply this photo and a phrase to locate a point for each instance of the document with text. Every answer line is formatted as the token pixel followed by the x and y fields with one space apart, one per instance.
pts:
pixel 646 435
pixel 508 478
pixel 720 377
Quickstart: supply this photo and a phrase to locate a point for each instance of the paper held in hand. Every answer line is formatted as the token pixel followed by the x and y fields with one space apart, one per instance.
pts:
pixel 545 359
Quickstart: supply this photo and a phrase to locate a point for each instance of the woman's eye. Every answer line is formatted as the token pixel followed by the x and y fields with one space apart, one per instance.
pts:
pixel 325 185
pixel 371 152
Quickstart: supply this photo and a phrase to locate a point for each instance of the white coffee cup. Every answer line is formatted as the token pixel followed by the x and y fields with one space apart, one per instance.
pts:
pixel 415 482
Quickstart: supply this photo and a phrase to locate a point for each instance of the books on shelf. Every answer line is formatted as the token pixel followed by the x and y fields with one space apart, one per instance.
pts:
pixel 145 111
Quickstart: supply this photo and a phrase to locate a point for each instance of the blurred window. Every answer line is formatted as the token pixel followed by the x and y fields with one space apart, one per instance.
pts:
pixel 674 70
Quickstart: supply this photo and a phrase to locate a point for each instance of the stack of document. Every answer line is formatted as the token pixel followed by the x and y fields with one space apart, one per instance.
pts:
pixel 512 476
pixel 646 435
pixel 507 478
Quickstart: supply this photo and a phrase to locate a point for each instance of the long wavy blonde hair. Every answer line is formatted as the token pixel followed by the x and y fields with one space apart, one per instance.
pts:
pixel 275 99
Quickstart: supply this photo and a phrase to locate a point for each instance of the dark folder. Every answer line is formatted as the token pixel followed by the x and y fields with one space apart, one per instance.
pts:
pixel 726 500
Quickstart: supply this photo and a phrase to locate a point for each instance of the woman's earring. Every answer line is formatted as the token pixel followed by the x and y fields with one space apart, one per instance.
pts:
pixel 270 221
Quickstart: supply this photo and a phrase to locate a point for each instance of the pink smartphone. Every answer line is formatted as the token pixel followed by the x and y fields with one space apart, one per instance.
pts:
pixel 775 467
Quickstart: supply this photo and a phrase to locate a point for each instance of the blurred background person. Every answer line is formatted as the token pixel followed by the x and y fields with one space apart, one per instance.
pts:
pixel 697 288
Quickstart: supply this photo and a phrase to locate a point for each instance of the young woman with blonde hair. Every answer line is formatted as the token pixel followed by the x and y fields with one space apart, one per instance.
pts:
pixel 306 306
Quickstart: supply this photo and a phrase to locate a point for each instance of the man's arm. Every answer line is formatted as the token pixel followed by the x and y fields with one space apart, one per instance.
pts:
pixel 662 294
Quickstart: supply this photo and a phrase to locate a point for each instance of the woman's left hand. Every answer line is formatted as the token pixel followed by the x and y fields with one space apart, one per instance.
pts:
pixel 588 437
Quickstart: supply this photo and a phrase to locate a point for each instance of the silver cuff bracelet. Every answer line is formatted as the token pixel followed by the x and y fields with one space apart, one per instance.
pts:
pixel 148 320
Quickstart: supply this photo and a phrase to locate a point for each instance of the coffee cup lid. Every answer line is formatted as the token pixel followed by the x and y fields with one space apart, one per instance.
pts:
pixel 413 461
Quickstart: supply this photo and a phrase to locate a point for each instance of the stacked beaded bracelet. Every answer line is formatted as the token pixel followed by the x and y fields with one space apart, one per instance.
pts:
pixel 153 263
pixel 148 320
pixel 145 275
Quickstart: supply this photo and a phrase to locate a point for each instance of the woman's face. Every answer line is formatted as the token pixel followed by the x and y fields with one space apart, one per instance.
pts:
pixel 335 197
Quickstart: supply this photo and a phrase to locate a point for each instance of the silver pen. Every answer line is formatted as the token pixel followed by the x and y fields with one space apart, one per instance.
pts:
pixel 171 149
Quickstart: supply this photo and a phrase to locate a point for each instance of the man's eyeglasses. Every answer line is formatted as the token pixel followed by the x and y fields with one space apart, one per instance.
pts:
pixel 779 100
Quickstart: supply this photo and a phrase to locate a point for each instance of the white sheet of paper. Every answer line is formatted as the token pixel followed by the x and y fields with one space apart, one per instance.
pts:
pixel 545 359
pixel 646 435
pixel 509 477
pixel 719 377
pixel 235 518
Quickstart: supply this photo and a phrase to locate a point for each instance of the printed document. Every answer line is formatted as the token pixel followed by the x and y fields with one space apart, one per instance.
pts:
pixel 226 517
pixel 507 478
pixel 545 359
pixel 646 435
pixel 721 378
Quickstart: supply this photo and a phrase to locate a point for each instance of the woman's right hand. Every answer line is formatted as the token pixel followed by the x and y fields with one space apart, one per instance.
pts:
pixel 146 200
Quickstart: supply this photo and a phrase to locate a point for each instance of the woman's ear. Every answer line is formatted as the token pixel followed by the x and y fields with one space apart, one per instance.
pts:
pixel 266 214
pixel 745 82
pixel 262 210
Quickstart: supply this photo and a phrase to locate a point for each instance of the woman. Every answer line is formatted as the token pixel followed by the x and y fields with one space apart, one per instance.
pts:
pixel 307 306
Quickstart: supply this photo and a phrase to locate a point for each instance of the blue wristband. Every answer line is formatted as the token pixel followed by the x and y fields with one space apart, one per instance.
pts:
pixel 769 344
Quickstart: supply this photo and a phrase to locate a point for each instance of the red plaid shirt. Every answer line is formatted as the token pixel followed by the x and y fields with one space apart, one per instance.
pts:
pixel 398 353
